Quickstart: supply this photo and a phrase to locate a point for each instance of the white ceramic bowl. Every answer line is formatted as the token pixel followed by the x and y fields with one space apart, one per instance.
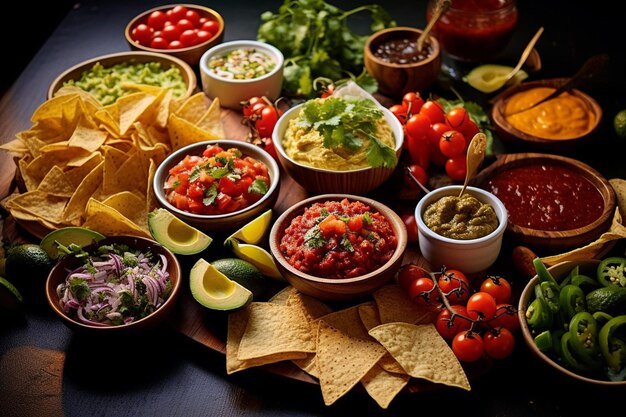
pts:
pixel 469 256
pixel 323 181
pixel 232 92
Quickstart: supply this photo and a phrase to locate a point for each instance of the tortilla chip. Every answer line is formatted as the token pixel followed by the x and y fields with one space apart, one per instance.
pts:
pixel 56 183
pixel 619 186
pixel 110 222
pixel 87 138
pixel 211 121
pixel 183 133
pixel 30 182
pixel 383 386
pixel 343 361
pixel 193 108
pixel 368 312
pixel 274 328
pixel 394 306
pixel 77 175
pixel 283 295
pixel 44 205
pixel 422 353
pixel 348 321
pixel 151 200
pixel 131 206
pixel 52 108
pixel 311 307
pixel 308 364
pixel 78 202
pixel 389 364
pixel 131 108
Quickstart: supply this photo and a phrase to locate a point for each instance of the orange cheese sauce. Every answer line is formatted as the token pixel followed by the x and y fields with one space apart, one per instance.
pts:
pixel 563 117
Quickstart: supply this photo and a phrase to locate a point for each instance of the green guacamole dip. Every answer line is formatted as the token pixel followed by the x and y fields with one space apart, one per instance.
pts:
pixel 106 84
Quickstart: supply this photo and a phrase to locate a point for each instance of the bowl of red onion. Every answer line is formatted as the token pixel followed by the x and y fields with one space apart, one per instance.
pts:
pixel 119 284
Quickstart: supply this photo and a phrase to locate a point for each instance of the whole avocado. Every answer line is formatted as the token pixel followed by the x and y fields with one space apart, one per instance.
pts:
pixel 27 267
pixel 611 300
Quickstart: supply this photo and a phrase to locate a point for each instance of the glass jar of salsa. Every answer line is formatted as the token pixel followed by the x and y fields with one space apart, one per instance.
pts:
pixel 475 30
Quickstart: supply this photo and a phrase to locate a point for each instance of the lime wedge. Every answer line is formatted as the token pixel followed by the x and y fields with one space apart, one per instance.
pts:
pixel 491 77
pixel 257 256
pixel 254 231
pixel 65 236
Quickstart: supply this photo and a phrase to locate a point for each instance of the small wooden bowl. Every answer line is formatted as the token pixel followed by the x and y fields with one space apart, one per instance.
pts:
pixel 337 289
pixel 554 240
pixel 518 138
pixel 190 54
pixel 559 272
pixel 70 262
pixel 397 79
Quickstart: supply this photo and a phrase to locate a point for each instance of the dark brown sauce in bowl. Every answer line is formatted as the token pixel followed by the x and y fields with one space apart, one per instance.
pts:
pixel 402 51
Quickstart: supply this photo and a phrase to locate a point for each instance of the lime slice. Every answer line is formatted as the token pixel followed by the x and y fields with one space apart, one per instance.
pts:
pixel 491 77
pixel 257 256
pixel 10 297
pixel 619 123
pixel 65 236
pixel 254 231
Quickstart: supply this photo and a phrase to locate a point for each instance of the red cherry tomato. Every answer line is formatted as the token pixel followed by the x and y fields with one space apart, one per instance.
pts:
pixel 157 20
pixel 184 24
pixel 170 33
pixel 411 226
pixel 457 118
pixel 143 34
pixel 434 135
pixel 204 36
pixel 188 37
pixel 420 175
pixel 177 12
pixel 193 17
pixel 413 102
pixel 211 26
pixel 468 346
pixel 418 126
pixel 452 143
pixel 498 287
pixel 328 91
pixel 455 284
pixel 159 43
pixel 175 44
pixel 422 292
pixel 434 111
pixel 456 167
pixel 409 273
pixel 449 328
pixel 399 111
pixel 269 117
pixel 268 145
pixel 499 343
pixel 249 105
pixel 469 130
pixel 481 306
pixel 506 316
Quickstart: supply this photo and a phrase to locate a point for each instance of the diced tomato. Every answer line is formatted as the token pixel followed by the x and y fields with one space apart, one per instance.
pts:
pixel 179 201
pixel 355 223
pixel 196 189
pixel 195 205
pixel 181 183
pixel 226 204
pixel 212 150
pixel 332 225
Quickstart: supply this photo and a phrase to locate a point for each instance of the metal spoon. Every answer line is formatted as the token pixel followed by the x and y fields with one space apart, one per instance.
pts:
pixel 475 156
pixel 440 9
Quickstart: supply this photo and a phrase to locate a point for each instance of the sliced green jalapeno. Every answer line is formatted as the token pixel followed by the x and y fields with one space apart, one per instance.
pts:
pixel 584 340
pixel 613 349
pixel 568 278
pixel 571 301
pixel 544 341
pixel 539 315
pixel 585 282
pixel 568 355
pixel 542 272
pixel 601 317
pixel 612 271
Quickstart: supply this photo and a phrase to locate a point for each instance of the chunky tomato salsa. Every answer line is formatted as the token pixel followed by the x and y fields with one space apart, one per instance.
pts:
pixel 338 239
pixel 217 182
pixel 547 197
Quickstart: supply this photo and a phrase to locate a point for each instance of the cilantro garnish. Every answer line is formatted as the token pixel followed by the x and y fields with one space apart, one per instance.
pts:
pixel 258 187
pixel 346 244
pixel 209 195
pixel 314 238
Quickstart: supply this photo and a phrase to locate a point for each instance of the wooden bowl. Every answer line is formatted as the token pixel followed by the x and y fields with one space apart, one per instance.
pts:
pixel 545 239
pixel 397 79
pixel 559 272
pixel 167 61
pixel 191 54
pixel 323 181
pixel 70 262
pixel 528 141
pixel 337 289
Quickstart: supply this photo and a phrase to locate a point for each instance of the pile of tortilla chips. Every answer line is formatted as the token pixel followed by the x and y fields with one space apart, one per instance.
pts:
pixel 84 164
pixel 381 344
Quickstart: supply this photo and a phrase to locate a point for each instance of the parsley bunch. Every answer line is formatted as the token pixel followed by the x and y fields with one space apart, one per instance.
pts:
pixel 347 123
pixel 316 41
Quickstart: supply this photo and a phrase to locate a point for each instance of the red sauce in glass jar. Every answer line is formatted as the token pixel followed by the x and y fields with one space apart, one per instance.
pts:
pixel 547 197
pixel 475 30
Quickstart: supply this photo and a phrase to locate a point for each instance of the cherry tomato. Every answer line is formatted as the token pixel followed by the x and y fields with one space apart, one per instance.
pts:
pixel 409 273
pixel 184 24
pixel 422 291
pixel 506 316
pixel 193 17
pixel 143 34
pixel 188 37
pixel 211 26
pixel 177 12
pixel 420 175
pixel 498 287
pixel 170 33
pixel 455 284
pixel 249 105
pixel 328 91
pixel 157 19
pixel 204 36
pixel 449 328
pixel 412 102
pixel 481 306
pixel 434 135
pixel 452 143
pixel 456 167
pixel 419 150
pixel 175 44
pixel 457 118
pixel 399 111
pixel 418 126
pixel 269 117
pixel 268 145
pixel 158 43
pixel 434 111
pixel 468 346
pixel 411 226
pixel 499 343
pixel 469 130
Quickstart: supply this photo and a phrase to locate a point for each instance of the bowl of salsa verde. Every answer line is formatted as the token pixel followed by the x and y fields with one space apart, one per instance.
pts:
pixel 553 202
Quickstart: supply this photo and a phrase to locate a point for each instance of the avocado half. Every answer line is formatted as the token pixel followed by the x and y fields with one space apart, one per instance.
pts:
pixel 214 290
pixel 176 235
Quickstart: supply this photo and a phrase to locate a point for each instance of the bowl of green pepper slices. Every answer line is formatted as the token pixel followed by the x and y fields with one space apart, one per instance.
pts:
pixel 573 318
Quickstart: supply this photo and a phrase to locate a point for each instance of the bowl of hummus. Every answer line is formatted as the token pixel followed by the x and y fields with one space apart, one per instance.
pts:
pixel 463 232
pixel 337 144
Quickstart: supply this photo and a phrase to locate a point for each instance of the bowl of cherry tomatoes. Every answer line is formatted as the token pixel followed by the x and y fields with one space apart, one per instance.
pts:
pixel 185 31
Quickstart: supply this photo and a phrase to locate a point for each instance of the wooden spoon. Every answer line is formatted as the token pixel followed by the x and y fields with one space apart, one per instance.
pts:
pixel 440 9
pixel 525 55
pixel 475 156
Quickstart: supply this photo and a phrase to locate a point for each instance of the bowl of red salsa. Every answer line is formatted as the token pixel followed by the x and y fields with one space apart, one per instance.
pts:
pixel 553 202
pixel 218 185
pixel 338 246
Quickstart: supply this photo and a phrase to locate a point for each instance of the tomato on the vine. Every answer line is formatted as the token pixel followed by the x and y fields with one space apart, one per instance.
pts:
pixel 249 104
pixel 265 124
pixel 499 343
pixel 448 328
pixel 423 292
pixel 456 167
pixel 506 316
pixel 409 273
pixel 434 111
pixel 418 126
pixel 328 91
pixel 400 112
pixel 481 306
pixel 412 102
pixel 468 346
pixel 411 226
pixel 498 287
pixel 268 145
pixel 455 284
pixel 420 175
pixel 452 143
pixel 457 118
pixel 434 135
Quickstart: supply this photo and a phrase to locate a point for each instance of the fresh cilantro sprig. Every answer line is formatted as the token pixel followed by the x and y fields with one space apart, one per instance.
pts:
pixel 348 123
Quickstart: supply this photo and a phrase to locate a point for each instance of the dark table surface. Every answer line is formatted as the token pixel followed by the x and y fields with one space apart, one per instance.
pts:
pixel 167 374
